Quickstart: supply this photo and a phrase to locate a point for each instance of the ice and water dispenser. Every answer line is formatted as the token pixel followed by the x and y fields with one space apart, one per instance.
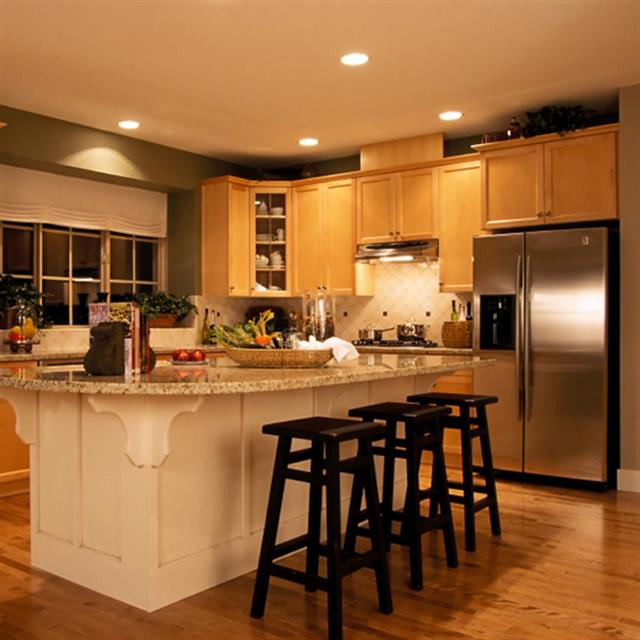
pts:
pixel 497 322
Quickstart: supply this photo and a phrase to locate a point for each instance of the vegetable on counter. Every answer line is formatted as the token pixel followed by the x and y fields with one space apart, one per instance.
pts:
pixel 252 334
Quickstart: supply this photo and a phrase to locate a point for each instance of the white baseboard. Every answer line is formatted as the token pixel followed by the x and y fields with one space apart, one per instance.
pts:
pixel 629 480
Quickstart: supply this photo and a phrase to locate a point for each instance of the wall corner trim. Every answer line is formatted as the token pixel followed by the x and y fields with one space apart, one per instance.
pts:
pixel 629 480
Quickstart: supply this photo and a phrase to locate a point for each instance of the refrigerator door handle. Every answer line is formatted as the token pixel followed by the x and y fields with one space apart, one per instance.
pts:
pixel 518 345
pixel 528 374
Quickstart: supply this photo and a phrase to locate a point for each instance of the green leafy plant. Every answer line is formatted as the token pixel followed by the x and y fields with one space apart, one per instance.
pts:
pixel 556 120
pixel 155 304
pixel 14 291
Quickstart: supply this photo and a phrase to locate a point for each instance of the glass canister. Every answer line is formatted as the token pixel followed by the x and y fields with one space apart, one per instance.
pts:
pixel 325 314
pixel 22 328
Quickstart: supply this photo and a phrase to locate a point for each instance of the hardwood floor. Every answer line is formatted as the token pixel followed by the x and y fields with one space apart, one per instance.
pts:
pixel 567 566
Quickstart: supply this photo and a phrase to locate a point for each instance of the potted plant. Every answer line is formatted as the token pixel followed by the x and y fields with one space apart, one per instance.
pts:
pixel 164 309
pixel 14 291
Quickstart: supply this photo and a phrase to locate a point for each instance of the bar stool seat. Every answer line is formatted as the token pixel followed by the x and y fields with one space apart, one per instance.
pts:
pixel 470 427
pixel 325 435
pixel 423 432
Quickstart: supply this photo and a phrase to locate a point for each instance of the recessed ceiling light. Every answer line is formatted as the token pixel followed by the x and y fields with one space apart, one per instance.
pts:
pixel 354 59
pixel 450 115
pixel 308 142
pixel 128 124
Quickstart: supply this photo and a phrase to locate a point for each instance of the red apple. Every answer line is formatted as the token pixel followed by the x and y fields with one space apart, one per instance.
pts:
pixel 180 355
pixel 197 355
pixel 14 336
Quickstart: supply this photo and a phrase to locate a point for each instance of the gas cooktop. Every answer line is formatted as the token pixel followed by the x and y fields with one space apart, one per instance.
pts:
pixel 396 343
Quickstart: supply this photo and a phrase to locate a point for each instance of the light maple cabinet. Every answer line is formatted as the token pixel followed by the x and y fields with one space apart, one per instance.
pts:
pixel 550 179
pixel 459 219
pixel 324 238
pixel 226 231
pixel 397 206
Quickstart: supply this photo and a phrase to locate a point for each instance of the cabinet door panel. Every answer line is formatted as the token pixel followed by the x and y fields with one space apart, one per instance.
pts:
pixel 340 236
pixel 459 219
pixel 580 178
pixel 239 240
pixel 376 208
pixel 415 210
pixel 512 187
pixel 309 233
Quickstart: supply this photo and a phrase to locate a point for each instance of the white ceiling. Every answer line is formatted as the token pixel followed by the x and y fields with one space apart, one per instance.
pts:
pixel 244 80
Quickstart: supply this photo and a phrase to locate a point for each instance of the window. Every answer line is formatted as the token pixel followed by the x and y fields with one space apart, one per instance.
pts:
pixel 74 267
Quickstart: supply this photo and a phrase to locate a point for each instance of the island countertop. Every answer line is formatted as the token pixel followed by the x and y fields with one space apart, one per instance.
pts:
pixel 225 377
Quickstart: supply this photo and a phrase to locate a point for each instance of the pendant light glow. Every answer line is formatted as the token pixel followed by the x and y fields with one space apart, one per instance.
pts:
pixel 354 59
pixel 450 115
pixel 308 142
pixel 128 124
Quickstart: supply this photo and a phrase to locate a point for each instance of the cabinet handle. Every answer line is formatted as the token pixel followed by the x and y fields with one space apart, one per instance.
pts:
pixel 231 288
pixel 547 213
pixel 392 233
pixel 397 233
pixel 540 214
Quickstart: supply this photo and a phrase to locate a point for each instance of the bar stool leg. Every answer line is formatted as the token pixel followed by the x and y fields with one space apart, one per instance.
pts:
pixel 375 527
pixel 412 512
pixel 353 516
pixel 334 555
pixel 441 487
pixel 487 464
pixel 388 474
pixel 467 482
pixel 274 507
pixel 315 511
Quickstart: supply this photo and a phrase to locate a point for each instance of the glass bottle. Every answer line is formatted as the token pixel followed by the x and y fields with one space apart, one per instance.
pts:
pixel 205 332
pixel 454 311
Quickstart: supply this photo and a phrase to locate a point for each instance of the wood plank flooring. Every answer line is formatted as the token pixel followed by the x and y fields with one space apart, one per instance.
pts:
pixel 567 566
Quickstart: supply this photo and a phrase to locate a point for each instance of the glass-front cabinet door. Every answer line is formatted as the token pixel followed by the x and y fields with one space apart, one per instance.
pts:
pixel 271 267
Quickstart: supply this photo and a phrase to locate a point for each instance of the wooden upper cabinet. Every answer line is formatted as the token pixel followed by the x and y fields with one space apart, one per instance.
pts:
pixel 396 206
pixel 225 227
pixel 550 179
pixel 459 219
pixel 416 195
pixel 324 237
pixel 513 187
pixel 376 208
pixel 308 237
pixel 340 244
pixel 580 178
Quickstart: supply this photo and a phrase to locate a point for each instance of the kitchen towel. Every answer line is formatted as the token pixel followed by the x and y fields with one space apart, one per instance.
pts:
pixel 342 350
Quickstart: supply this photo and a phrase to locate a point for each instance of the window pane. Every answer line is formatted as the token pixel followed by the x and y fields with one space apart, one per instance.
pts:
pixel 83 294
pixel 146 288
pixel 56 301
pixel 86 257
pixel 121 259
pixel 121 292
pixel 146 268
pixel 17 251
pixel 55 252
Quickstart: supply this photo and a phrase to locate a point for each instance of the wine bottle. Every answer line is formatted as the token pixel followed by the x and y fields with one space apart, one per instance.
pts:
pixel 454 311
pixel 205 332
pixel 469 316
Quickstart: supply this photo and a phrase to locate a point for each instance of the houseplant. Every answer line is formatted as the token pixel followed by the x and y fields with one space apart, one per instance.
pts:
pixel 164 309
pixel 14 291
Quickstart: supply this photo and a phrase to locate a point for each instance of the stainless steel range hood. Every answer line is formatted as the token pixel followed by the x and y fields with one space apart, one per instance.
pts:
pixel 415 251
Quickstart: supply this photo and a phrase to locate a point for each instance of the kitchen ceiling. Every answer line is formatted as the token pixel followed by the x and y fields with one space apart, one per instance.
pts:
pixel 244 80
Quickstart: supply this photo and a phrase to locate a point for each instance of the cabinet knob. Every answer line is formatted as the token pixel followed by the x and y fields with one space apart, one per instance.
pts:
pixel 392 233
pixel 231 288
pixel 540 214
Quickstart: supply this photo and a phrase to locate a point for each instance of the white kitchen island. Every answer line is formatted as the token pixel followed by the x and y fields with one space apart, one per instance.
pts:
pixel 153 489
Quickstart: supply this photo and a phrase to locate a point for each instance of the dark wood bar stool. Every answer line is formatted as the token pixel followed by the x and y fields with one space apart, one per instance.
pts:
pixel 423 432
pixel 325 436
pixel 470 427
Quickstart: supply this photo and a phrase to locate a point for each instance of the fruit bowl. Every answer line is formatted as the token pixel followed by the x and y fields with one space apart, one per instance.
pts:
pixel 280 358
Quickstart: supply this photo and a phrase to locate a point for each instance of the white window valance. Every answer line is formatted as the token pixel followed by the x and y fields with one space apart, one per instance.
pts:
pixel 36 196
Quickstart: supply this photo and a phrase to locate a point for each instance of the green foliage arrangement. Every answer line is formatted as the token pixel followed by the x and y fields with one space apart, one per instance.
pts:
pixel 556 120
pixel 155 304
pixel 14 291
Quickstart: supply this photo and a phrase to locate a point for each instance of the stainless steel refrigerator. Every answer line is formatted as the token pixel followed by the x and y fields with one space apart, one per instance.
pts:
pixel 541 309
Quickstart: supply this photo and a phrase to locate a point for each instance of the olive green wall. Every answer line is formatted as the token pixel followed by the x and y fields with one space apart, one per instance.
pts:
pixel 46 144
pixel 629 193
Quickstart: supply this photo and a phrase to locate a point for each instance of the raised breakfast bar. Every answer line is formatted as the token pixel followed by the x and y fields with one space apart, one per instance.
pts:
pixel 154 488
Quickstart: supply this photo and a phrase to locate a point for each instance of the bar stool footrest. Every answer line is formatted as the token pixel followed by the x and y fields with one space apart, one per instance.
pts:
pixel 299 577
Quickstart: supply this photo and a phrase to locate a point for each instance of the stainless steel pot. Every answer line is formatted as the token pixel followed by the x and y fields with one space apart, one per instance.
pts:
pixel 410 331
pixel 372 334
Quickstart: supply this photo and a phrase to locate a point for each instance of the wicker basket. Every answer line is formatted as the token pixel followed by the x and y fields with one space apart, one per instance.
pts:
pixel 163 321
pixel 280 358
pixel 457 335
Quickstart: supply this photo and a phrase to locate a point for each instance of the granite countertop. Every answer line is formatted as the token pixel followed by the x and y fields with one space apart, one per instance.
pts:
pixel 429 351
pixel 223 376
pixel 45 355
